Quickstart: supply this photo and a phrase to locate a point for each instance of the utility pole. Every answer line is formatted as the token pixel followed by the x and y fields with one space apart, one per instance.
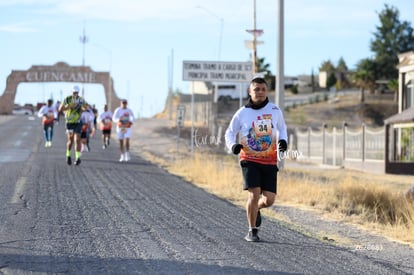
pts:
pixel 83 39
pixel 280 85
pixel 254 39
pixel 253 44
pixel 280 78
pixel 170 84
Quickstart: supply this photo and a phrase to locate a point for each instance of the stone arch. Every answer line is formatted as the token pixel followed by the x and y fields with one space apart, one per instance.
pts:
pixel 60 72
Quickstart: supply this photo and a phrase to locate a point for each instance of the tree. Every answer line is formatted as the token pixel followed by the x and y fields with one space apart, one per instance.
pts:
pixel 364 76
pixel 313 81
pixel 392 37
pixel 341 67
pixel 342 71
pixel 331 81
pixel 327 66
pixel 393 86
pixel 263 67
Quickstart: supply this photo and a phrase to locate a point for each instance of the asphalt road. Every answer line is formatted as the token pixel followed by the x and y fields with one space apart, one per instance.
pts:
pixel 106 217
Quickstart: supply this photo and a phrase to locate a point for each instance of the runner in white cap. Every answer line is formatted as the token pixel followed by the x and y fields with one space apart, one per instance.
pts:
pixel 73 106
pixel 124 118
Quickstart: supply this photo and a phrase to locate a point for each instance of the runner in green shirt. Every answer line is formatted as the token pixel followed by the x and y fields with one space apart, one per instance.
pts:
pixel 73 106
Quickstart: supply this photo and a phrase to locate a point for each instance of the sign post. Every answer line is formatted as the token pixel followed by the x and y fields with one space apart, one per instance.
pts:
pixel 180 116
pixel 214 71
pixel 180 121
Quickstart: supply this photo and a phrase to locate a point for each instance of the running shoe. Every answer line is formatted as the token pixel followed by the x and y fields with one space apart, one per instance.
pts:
pixel 258 219
pixel 252 235
pixel 122 158
pixel 77 161
pixel 104 146
pixel 69 160
pixel 127 157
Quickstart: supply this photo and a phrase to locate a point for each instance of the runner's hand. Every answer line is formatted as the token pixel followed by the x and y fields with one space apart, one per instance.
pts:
pixel 282 145
pixel 236 148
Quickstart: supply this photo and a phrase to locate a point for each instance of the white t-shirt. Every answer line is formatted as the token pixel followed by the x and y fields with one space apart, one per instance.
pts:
pixel 87 118
pixel 105 120
pixel 123 117
pixel 259 131
pixel 48 114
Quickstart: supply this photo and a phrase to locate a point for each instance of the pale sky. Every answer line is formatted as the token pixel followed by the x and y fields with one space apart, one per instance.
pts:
pixel 139 41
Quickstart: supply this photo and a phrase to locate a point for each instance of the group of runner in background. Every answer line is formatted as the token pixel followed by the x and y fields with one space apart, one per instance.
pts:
pixel 82 121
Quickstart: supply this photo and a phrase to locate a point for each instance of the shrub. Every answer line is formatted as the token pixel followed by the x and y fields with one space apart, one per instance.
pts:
pixel 294 89
pixel 376 204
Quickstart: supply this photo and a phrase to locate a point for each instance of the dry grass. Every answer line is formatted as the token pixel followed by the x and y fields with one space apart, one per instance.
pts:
pixel 374 203
pixel 349 196
pixel 356 198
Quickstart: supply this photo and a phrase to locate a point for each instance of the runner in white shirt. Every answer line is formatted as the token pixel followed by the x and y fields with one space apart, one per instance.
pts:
pixel 57 118
pixel 88 129
pixel 124 118
pixel 258 132
pixel 105 120
pixel 48 113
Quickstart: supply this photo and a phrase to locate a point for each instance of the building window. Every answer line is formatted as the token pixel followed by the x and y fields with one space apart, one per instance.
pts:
pixel 403 149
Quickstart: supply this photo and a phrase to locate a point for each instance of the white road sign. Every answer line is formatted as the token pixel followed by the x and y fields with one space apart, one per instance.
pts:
pixel 217 71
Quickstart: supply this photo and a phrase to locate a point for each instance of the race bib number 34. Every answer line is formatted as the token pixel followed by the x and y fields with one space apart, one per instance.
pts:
pixel 263 127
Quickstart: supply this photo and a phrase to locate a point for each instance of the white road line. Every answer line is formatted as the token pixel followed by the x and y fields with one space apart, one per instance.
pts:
pixel 18 189
pixel 19 142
